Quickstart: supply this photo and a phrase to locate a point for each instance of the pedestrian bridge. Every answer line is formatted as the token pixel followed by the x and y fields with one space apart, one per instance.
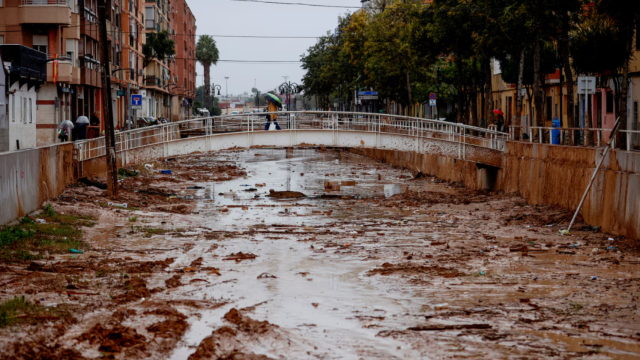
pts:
pixel 299 129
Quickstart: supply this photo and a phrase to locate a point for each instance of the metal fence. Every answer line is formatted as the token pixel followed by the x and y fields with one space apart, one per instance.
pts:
pixel 589 137
pixel 293 121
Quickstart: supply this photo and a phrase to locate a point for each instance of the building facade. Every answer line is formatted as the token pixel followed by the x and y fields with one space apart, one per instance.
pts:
pixel 67 32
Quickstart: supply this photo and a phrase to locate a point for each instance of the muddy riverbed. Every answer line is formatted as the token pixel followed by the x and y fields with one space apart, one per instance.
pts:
pixel 310 254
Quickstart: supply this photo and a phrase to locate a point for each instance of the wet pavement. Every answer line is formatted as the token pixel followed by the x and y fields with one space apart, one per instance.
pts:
pixel 388 266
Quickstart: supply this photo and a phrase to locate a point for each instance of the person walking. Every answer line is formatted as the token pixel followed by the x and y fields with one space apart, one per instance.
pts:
pixel 274 104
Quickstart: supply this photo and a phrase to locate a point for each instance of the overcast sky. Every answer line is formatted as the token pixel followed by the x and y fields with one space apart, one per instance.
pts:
pixel 227 17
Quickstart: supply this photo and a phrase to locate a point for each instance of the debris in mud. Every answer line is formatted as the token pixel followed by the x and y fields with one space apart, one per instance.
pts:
pixel 250 189
pixel 440 327
pixel 173 327
pixel 286 194
pixel 266 276
pixel 240 256
pixel 389 269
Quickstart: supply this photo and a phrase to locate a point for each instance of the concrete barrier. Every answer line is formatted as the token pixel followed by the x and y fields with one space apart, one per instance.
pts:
pixel 29 177
pixel 545 174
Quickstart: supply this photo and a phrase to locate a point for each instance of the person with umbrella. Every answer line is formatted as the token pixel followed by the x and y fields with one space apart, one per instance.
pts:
pixel 65 127
pixel 82 124
pixel 499 119
pixel 274 104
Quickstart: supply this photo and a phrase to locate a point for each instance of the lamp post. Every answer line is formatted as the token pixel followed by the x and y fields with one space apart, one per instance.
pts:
pixel 226 78
pixel 288 88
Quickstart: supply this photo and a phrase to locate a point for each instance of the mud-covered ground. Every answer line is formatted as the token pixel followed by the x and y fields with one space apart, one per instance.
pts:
pixel 269 254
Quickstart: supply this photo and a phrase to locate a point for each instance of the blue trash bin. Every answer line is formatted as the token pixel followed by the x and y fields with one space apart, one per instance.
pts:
pixel 555 134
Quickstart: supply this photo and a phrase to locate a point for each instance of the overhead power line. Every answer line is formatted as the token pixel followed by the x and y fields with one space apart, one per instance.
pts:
pixel 300 4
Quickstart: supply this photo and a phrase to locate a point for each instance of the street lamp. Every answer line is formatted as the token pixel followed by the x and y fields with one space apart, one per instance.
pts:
pixel 226 78
pixel 288 88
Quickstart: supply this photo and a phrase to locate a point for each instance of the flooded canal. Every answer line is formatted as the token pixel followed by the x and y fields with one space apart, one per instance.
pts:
pixel 311 254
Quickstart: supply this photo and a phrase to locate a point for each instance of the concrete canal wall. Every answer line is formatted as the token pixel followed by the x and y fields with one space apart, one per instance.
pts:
pixel 29 177
pixel 546 174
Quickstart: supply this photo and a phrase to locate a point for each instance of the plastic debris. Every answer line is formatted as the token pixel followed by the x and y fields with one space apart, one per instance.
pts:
pixel 123 205
pixel 564 232
pixel 225 209
pixel 594 278
pixel 610 239
pixel 245 185
pixel 166 172
pixel 611 247
pixel 442 306
pixel 41 221
pixel 481 273
pixel 148 166
pixel 74 251
pixel 195 188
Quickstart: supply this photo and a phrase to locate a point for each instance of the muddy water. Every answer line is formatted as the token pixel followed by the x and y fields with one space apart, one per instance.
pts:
pixel 454 265
pixel 319 298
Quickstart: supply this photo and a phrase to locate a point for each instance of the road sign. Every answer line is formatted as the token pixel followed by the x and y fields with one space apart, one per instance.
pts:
pixel 367 93
pixel 432 102
pixel 368 97
pixel 432 96
pixel 136 102
pixel 286 101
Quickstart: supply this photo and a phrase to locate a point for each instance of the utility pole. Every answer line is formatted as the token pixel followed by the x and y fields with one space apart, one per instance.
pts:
pixel 110 137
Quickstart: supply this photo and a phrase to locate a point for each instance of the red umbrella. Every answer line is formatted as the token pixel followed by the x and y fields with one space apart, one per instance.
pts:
pixel 498 112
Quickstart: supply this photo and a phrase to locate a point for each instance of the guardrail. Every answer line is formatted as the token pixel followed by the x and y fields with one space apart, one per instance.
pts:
pixel 589 137
pixel 296 121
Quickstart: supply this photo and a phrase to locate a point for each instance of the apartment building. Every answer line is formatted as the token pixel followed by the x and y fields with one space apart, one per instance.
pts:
pixel 67 32
pixel 595 110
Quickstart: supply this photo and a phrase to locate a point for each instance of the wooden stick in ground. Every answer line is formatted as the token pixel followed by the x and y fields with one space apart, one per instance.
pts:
pixel 595 172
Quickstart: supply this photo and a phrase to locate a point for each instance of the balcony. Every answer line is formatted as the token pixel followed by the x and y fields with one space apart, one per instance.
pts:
pixel 44 12
pixel 89 25
pixel 89 72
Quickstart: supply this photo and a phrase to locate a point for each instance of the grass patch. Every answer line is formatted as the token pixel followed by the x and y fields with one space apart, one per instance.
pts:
pixel 31 241
pixel 133 219
pixel 19 310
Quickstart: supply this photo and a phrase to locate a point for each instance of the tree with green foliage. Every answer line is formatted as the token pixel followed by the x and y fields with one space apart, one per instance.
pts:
pixel 158 47
pixel 624 18
pixel 207 54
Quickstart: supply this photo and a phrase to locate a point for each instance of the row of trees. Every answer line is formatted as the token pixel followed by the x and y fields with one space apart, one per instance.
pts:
pixel 397 47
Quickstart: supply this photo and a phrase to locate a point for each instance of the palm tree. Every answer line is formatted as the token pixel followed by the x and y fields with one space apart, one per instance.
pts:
pixel 207 54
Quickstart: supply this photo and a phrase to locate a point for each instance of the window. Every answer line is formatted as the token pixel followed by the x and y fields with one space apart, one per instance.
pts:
pixel 1 36
pixel 71 49
pixel 13 107
pixel 41 43
pixel 149 17
pixel 609 102
pixel 30 111
pixel 24 110
pixel 549 107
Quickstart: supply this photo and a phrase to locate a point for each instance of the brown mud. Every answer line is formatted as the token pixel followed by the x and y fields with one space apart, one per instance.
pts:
pixel 196 267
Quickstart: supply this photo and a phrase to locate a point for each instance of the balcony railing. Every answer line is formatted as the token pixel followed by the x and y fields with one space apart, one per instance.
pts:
pixel 45 2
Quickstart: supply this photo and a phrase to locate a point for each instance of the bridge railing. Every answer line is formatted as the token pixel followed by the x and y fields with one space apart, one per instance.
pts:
pixel 299 121
pixel 589 137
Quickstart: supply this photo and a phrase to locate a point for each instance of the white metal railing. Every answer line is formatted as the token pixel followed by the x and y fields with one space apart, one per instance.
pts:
pixel 589 137
pixel 297 120
pixel 45 3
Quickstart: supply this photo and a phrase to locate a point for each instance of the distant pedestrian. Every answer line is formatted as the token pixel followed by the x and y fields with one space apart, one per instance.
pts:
pixel 274 104
pixel 81 127
pixel 95 120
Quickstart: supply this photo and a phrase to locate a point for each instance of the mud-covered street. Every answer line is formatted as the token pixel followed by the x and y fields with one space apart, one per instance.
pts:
pixel 309 254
